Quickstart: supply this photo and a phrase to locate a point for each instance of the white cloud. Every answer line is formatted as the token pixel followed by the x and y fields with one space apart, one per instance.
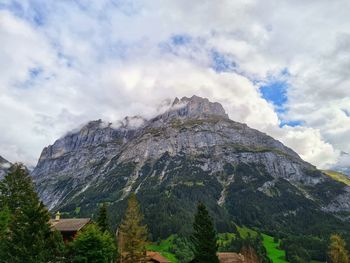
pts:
pixel 105 60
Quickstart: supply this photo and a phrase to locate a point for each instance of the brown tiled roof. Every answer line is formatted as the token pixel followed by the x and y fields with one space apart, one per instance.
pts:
pixel 155 256
pixel 68 225
pixel 230 257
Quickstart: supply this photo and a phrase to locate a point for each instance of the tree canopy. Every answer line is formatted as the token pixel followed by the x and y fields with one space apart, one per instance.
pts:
pixel 337 250
pixel 92 246
pixel 24 220
pixel 133 234
pixel 102 219
pixel 204 237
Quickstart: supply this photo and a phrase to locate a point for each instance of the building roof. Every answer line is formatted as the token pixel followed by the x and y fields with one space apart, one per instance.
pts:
pixel 156 257
pixel 230 257
pixel 69 225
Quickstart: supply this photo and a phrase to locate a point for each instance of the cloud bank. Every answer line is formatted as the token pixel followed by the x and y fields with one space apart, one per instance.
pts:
pixel 279 67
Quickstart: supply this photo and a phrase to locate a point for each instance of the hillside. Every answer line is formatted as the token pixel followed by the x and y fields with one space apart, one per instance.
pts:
pixel 193 152
pixel 340 177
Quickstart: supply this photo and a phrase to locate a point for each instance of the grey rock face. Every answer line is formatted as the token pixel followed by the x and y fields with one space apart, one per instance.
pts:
pixel 4 167
pixel 340 203
pixel 72 161
pixel 85 160
pixel 194 107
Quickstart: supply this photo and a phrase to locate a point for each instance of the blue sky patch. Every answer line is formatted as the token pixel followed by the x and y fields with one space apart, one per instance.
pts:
pixel 179 40
pixel 38 18
pixel 221 62
pixel 35 72
pixel 14 7
pixel 291 123
pixel 175 44
pixel 33 75
pixel 275 90
pixel 35 14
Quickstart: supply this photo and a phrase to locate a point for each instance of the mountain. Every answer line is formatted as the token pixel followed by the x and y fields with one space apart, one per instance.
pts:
pixel 192 152
pixel 4 166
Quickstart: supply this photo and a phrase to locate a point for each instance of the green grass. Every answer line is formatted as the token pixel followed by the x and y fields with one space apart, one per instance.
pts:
pixel 163 248
pixel 273 252
pixel 338 177
pixel 224 239
pixel 245 231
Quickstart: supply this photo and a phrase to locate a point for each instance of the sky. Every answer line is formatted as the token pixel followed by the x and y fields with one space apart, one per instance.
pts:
pixel 280 66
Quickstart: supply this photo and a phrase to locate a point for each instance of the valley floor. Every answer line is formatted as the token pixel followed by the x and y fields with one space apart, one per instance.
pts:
pixel 277 255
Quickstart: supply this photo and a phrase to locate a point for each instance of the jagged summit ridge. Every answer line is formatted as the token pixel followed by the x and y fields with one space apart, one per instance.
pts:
pixel 194 107
pixel 98 132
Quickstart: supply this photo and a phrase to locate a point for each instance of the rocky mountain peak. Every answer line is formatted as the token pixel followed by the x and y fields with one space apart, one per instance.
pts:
pixel 195 108
pixel 190 152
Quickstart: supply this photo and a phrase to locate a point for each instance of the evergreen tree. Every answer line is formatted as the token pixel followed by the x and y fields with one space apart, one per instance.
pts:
pixel 132 234
pixel 92 246
pixel 29 236
pixel 204 237
pixel 4 229
pixel 337 250
pixel 57 247
pixel 102 219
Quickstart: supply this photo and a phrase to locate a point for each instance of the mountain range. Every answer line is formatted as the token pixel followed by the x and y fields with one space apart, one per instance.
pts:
pixel 190 153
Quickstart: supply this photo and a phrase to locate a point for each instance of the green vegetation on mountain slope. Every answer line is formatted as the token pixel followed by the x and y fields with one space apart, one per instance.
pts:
pixel 164 247
pixel 276 254
pixel 169 203
pixel 271 244
pixel 338 176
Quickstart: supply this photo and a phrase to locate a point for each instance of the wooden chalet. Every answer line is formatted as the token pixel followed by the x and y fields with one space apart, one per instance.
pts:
pixel 68 227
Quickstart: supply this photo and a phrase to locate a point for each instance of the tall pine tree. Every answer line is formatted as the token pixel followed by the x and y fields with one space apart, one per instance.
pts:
pixel 132 234
pixel 204 237
pixel 102 219
pixel 337 250
pixel 28 237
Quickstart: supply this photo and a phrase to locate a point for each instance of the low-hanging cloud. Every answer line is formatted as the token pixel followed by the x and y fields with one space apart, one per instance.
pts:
pixel 65 63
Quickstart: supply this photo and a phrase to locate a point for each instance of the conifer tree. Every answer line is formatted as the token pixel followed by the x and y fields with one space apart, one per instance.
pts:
pixel 132 234
pixel 29 236
pixel 337 250
pixel 92 246
pixel 4 229
pixel 102 219
pixel 204 237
